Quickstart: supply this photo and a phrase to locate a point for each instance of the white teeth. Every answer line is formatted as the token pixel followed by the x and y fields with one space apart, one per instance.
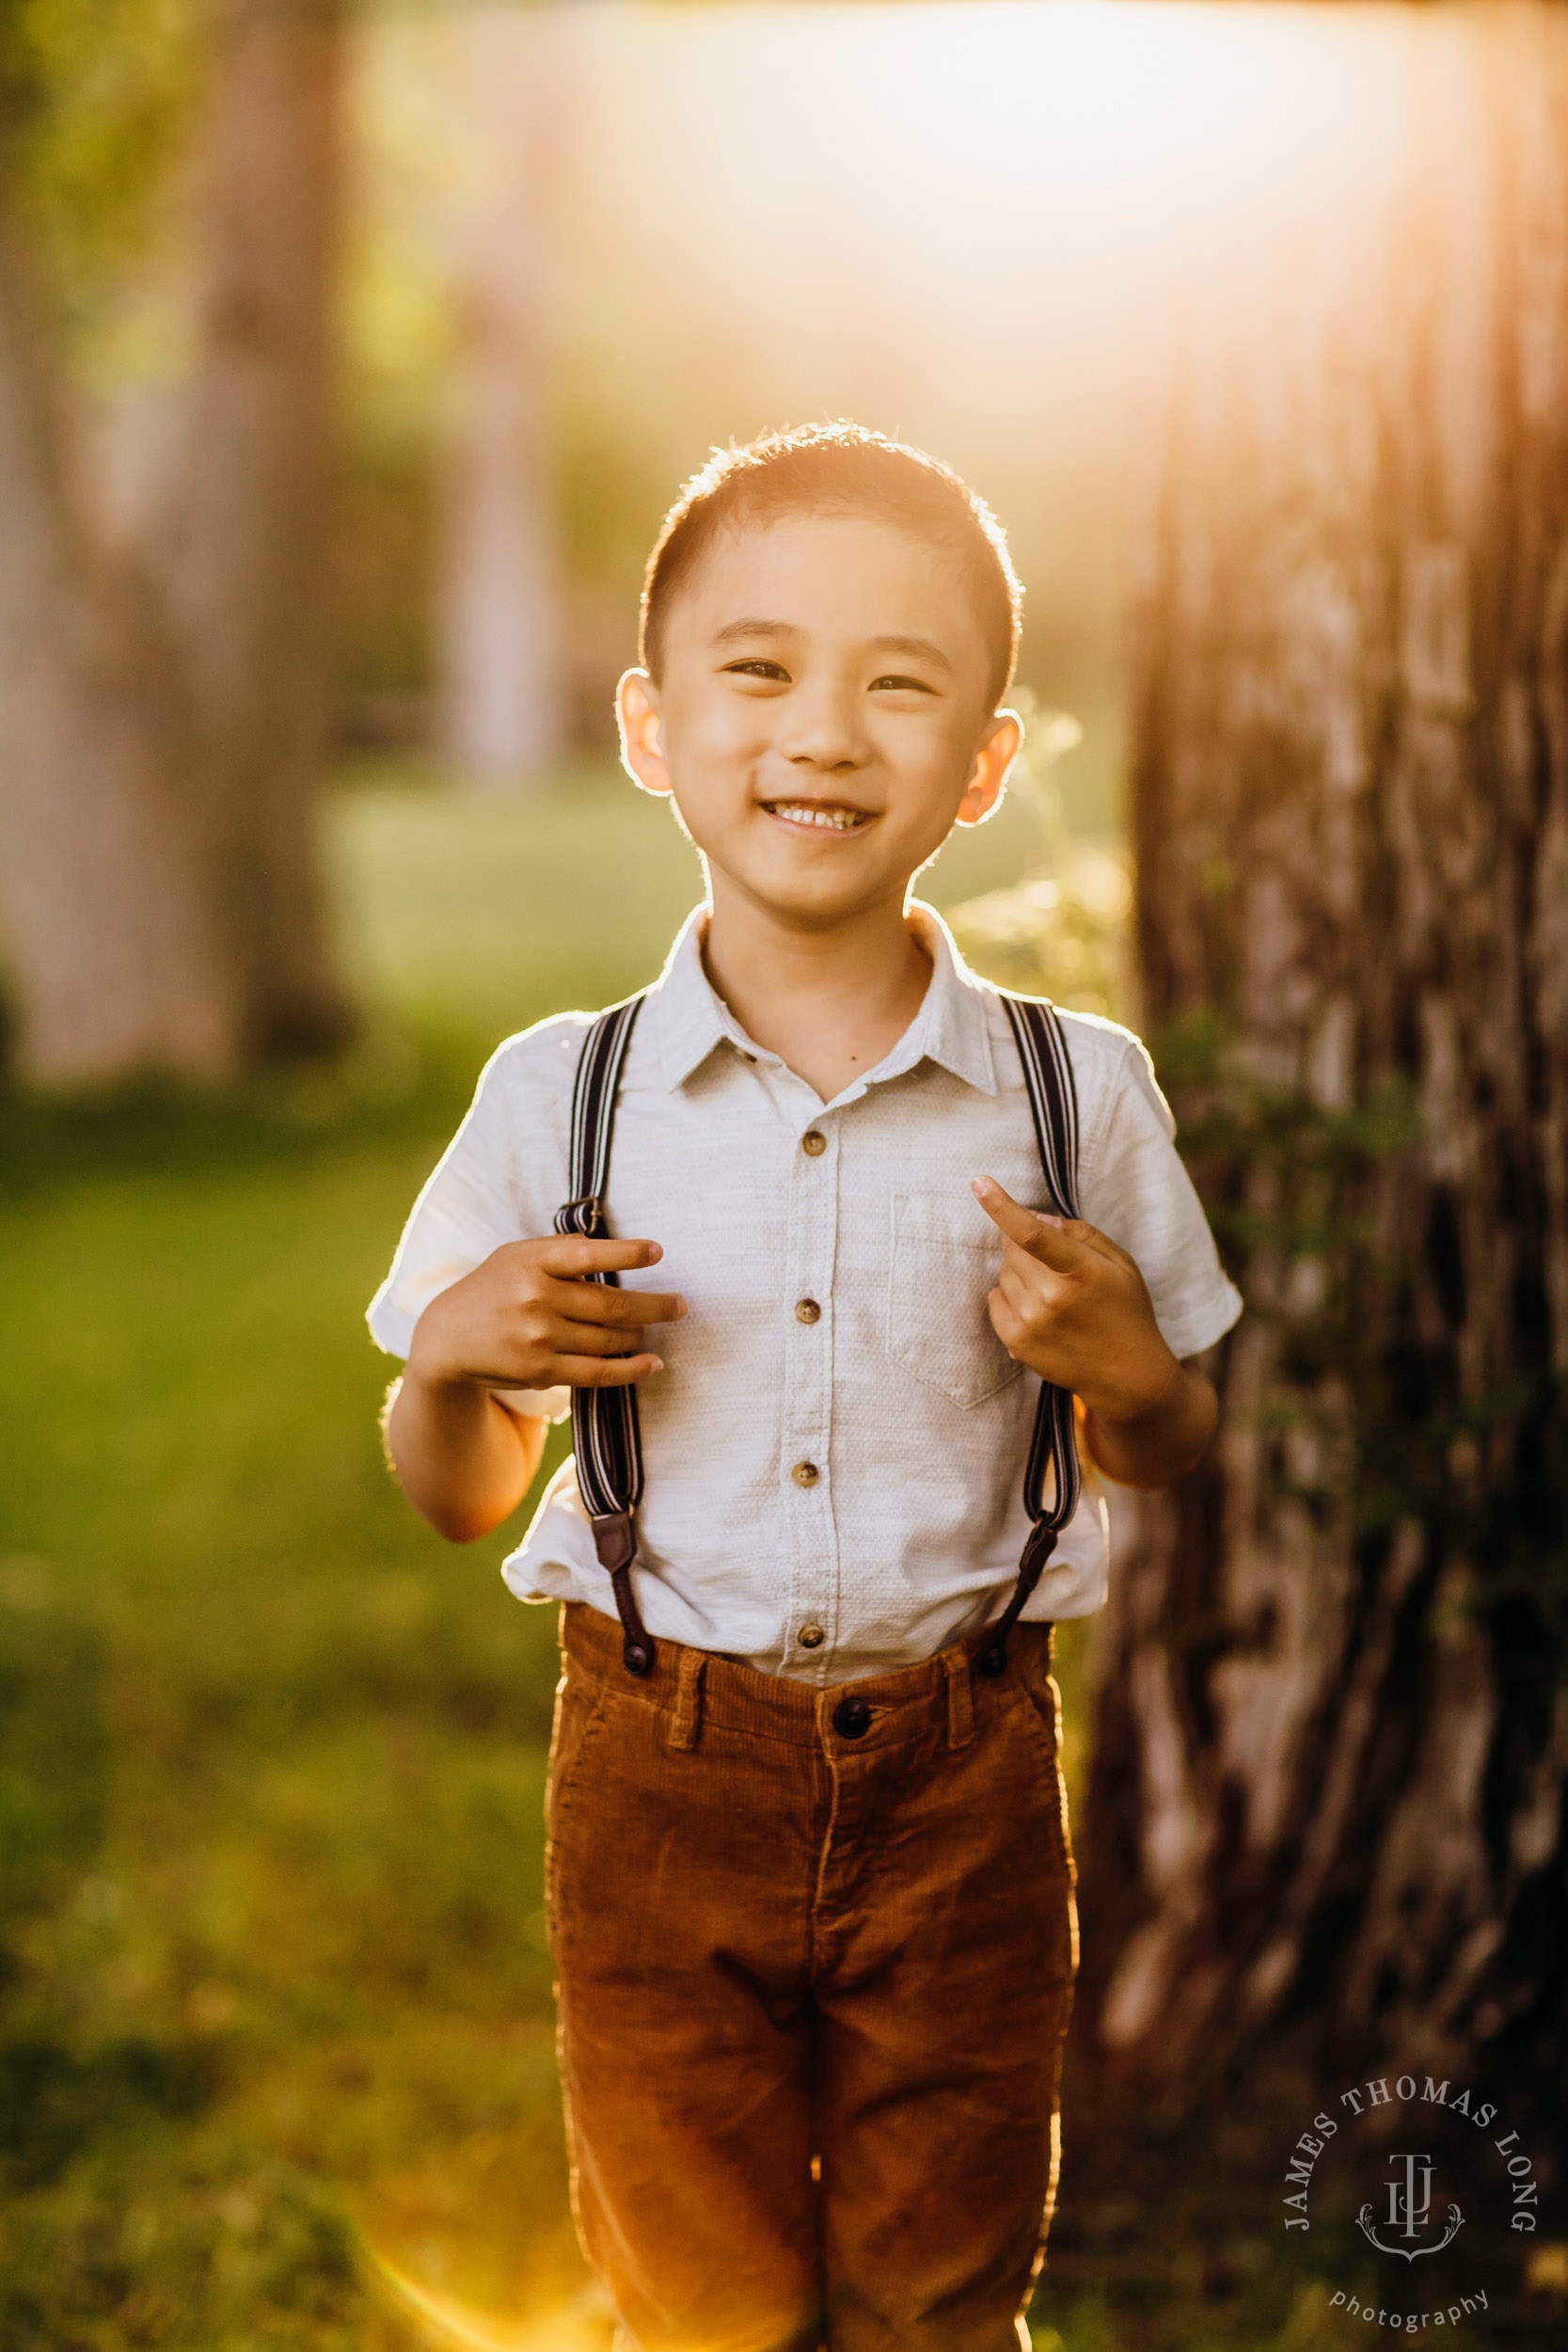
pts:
pixel 836 820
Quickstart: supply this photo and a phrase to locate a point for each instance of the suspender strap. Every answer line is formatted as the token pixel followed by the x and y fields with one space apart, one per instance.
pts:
pixel 604 1428
pixel 1054 1445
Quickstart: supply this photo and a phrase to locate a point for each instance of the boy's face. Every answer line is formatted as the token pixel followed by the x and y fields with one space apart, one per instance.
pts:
pixel 823 716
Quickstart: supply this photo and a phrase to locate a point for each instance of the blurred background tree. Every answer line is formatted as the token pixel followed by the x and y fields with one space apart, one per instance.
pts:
pixel 161 636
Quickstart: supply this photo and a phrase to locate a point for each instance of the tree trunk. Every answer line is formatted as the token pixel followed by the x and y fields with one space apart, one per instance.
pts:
pixel 116 958
pixel 504 716
pixel 162 711
pixel 1326 1804
pixel 245 548
pixel 502 708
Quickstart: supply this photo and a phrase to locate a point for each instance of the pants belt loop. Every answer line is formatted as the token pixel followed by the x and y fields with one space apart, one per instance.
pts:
pixel 687 1721
pixel 960 1698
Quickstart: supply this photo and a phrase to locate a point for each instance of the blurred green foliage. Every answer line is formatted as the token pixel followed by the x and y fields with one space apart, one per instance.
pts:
pixel 95 97
pixel 1061 927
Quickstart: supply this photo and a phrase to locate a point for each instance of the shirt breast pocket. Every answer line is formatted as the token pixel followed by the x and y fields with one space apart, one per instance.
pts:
pixel 943 1261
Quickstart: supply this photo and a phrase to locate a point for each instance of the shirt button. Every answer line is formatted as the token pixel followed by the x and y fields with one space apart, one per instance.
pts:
pixel 852 1719
pixel 811 1637
pixel 805 1474
pixel 807 1311
pixel 813 1145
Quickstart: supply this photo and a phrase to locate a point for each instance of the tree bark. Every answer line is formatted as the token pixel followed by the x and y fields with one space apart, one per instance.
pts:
pixel 503 701
pixel 246 545
pixel 163 706
pixel 116 958
pixel 1326 1814
pixel 502 706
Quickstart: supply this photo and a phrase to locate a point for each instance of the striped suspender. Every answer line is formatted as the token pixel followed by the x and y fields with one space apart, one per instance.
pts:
pixel 1054 1445
pixel 606 1432
pixel 605 1427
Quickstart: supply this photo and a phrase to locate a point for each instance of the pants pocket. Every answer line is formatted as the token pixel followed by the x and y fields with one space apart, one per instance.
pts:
pixel 1041 1709
pixel 579 1709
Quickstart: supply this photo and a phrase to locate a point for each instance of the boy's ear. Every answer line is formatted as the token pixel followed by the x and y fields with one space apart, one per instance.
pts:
pixel 641 732
pixel 999 747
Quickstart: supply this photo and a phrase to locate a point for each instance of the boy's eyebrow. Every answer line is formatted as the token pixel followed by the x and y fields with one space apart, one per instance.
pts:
pixel 733 631
pixel 921 648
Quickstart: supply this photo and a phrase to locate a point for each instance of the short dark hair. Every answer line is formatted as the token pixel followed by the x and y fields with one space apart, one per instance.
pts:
pixel 838 469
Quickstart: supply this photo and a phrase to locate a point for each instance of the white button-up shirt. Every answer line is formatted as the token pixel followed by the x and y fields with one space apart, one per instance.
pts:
pixel 835 1267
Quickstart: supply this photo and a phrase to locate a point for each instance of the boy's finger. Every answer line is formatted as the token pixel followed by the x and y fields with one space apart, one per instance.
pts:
pixel 1077 1229
pixel 614 1311
pixel 1013 1283
pixel 1092 1238
pixel 591 1339
pixel 1003 1317
pixel 595 1302
pixel 1028 1262
pixel 570 1255
pixel 1042 1236
pixel 607 1371
pixel 1003 1209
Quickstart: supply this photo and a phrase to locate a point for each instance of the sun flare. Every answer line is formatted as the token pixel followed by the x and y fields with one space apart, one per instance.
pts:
pixel 450 2325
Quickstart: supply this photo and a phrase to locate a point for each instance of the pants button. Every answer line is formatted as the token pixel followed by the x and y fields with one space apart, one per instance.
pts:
pixel 852 1719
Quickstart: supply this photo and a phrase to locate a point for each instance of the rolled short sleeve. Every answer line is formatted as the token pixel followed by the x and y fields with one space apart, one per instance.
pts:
pixel 499 1181
pixel 1133 1186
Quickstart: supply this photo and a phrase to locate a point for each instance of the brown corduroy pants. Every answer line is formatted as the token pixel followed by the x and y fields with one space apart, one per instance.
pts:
pixel 813 1985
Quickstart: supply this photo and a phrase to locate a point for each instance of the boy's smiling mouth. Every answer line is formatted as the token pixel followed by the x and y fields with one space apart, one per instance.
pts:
pixel 819 815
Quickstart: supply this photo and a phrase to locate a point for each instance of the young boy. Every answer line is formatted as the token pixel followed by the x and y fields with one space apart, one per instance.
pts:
pixel 809 1885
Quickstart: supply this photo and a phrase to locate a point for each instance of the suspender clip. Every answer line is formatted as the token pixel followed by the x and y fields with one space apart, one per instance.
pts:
pixel 584 1217
pixel 1037 1552
pixel 615 1541
pixel 1040 1543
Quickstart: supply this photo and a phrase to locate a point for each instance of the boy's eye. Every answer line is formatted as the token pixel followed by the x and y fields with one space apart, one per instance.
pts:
pixel 756 667
pixel 899 685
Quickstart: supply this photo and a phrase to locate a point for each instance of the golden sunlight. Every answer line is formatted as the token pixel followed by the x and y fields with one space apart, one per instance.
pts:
pixel 776 160
pixel 961 223
pixel 449 2325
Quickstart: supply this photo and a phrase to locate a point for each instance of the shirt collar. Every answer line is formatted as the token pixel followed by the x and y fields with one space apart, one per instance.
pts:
pixel 953 1025
pixel 951 1028
pixel 691 1017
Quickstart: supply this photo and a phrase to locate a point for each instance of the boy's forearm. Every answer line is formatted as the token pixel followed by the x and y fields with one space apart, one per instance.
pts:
pixel 1160 1445
pixel 463 1461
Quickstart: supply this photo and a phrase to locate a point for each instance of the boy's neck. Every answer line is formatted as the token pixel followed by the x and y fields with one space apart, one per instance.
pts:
pixel 831 1003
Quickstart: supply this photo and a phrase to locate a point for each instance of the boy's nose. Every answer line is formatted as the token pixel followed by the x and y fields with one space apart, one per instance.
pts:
pixel 823 735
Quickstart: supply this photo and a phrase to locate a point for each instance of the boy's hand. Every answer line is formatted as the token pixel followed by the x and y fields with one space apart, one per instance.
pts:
pixel 526 1319
pixel 1072 1305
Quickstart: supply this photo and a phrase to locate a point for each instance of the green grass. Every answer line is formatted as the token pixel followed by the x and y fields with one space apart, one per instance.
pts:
pixel 275 2060
pixel 296 1859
